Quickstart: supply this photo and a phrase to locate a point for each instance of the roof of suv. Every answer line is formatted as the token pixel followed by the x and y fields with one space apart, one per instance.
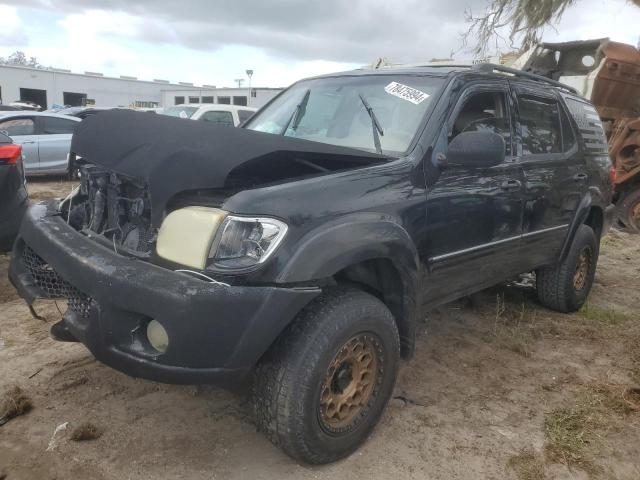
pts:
pixel 496 71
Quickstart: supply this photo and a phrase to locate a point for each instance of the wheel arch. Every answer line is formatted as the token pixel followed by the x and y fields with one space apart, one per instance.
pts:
pixel 371 251
pixel 590 212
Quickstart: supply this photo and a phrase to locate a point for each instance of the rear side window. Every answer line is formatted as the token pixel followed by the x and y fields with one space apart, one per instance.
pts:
pixel 568 137
pixel 244 115
pixel 57 126
pixel 540 126
pixel 18 126
pixel 221 118
pixel 589 126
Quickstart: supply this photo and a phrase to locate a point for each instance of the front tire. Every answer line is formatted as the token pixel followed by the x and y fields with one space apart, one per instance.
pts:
pixel 323 386
pixel 564 287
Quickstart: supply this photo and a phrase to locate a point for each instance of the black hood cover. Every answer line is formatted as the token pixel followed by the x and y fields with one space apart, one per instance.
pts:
pixel 172 155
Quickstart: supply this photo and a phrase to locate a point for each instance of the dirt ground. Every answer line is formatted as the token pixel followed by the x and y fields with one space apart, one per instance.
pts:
pixel 499 388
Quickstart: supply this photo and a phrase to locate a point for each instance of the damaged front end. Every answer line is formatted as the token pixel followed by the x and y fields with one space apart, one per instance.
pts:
pixel 212 332
pixel 113 209
pixel 99 248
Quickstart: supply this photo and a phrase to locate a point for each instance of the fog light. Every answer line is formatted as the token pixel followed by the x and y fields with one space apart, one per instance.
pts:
pixel 158 336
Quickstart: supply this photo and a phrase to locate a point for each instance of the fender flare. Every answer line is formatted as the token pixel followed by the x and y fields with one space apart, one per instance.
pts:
pixel 588 201
pixel 352 239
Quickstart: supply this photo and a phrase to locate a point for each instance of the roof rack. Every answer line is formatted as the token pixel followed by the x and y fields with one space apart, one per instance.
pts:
pixel 491 67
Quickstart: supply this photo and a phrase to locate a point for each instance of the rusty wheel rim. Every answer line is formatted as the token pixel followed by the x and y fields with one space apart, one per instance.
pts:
pixel 582 269
pixel 350 383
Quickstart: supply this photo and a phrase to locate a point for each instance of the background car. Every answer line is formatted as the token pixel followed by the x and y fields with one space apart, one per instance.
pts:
pixel 82 112
pixel 45 139
pixel 26 105
pixel 13 191
pixel 229 115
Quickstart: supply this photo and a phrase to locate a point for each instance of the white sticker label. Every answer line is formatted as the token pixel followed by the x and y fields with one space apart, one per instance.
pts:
pixel 405 92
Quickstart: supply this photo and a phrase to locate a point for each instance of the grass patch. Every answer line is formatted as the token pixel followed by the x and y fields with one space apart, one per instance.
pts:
pixel 573 436
pixel 513 326
pixel 607 316
pixel 14 403
pixel 86 431
pixel 527 466
pixel 633 347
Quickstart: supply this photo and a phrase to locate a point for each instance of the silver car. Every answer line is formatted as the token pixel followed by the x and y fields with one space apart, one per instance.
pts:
pixel 45 139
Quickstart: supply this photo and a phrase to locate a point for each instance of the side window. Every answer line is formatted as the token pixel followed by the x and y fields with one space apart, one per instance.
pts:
pixel 18 126
pixel 244 115
pixel 57 126
pixel 486 111
pixel 221 118
pixel 540 126
pixel 568 137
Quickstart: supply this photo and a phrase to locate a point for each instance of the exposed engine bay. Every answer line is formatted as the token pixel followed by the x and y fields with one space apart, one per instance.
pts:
pixel 115 207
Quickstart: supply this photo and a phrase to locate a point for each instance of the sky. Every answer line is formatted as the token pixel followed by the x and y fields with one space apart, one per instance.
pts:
pixel 214 42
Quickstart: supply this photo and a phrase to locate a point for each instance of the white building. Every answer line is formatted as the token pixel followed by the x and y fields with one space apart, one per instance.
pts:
pixel 211 94
pixel 48 87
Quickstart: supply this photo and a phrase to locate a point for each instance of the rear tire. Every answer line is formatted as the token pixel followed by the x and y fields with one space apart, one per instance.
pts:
pixel 629 211
pixel 322 387
pixel 564 287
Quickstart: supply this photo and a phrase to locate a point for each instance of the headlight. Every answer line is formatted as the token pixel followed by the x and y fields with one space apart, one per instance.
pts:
pixel 186 234
pixel 199 237
pixel 243 242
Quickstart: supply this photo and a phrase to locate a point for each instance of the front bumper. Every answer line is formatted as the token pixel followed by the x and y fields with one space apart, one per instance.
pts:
pixel 216 333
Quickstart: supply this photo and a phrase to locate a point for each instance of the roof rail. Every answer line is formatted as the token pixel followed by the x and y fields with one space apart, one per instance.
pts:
pixel 491 67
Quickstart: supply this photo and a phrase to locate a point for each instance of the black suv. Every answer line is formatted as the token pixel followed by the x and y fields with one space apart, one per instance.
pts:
pixel 303 247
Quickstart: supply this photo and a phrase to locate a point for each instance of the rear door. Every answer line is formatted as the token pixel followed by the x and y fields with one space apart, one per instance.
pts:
pixel 555 172
pixel 22 130
pixel 474 215
pixel 54 142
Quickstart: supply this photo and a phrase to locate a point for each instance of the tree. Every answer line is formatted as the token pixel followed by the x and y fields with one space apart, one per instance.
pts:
pixel 19 58
pixel 524 19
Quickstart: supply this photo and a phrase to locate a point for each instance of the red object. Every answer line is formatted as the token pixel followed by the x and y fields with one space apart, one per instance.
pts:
pixel 9 154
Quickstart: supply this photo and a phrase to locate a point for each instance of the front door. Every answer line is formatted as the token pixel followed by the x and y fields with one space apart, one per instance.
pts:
pixel 22 130
pixel 473 215
pixel 555 173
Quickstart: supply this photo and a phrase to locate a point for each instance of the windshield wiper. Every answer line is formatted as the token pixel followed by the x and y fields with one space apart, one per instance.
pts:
pixel 298 113
pixel 375 124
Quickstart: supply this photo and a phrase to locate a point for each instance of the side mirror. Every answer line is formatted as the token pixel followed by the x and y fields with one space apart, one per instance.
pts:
pixel 476 149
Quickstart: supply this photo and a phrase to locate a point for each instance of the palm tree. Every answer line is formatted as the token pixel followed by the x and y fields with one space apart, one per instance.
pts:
pixel 525 20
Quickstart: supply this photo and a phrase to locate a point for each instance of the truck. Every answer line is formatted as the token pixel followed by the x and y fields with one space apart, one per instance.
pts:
pixel 299 252
pixel 608 74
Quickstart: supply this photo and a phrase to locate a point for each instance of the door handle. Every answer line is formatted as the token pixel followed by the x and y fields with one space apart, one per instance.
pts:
pixel 27 141
pixel 580 177
pixel 511 184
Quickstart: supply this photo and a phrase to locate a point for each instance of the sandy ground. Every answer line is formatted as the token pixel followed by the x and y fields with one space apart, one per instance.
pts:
pixel 499 388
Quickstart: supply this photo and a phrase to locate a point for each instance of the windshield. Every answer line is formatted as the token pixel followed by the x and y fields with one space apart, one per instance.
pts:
pixel 180 111
pixel 334 110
